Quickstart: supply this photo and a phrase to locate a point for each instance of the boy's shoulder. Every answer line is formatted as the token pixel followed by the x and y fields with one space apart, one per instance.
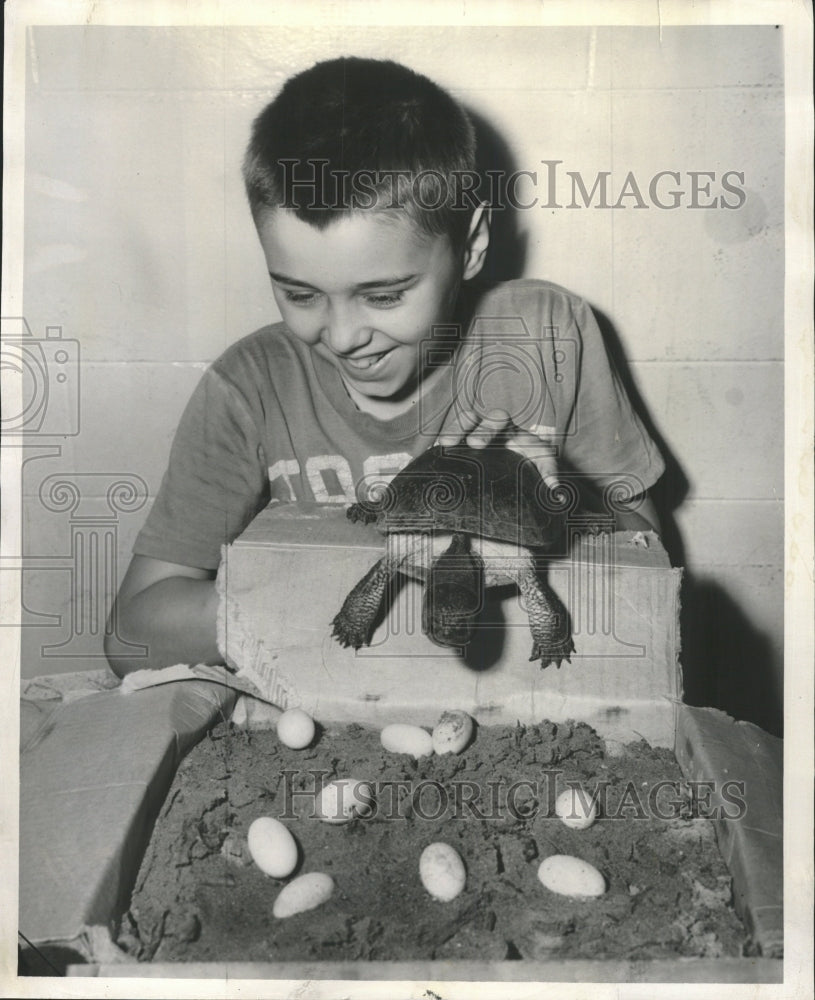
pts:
pixel 265 349
pixel 527 297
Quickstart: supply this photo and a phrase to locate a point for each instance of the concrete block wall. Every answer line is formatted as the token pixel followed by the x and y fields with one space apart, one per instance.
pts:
pixel 139 245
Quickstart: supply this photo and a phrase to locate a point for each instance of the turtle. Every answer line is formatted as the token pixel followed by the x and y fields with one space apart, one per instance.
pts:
pixel 490 505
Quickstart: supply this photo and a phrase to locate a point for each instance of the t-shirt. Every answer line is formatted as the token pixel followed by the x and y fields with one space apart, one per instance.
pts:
pixel 272 421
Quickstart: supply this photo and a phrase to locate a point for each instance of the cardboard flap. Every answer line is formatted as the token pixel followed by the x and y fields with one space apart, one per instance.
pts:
pixel 744 766
pixel 91 785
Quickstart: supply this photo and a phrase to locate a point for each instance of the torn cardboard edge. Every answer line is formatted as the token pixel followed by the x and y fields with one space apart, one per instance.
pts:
pixel 41 695
pixel 238 681
pixel 73 892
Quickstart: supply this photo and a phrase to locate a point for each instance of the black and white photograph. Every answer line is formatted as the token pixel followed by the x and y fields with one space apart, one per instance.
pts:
pixel 407 442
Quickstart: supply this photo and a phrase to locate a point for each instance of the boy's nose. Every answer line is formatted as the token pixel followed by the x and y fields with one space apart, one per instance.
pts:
pixel 344 333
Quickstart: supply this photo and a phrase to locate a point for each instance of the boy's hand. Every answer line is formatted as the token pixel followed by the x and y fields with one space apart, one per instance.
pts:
pixel 478 430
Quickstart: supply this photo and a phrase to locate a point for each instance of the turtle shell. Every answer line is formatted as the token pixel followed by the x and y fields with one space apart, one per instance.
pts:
pixel 490 492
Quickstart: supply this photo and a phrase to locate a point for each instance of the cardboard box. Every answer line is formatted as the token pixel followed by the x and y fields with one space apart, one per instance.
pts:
pixel 290 571
pixel 112 757
pixel 95 772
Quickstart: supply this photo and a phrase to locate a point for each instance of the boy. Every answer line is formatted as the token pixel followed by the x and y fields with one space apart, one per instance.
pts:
pixel 360 178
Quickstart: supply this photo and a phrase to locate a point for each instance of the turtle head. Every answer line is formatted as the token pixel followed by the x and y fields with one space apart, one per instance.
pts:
pixel 453 595
pixel 449 629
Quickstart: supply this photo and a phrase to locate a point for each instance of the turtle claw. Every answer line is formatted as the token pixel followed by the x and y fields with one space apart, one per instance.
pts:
pixel 548 621
pixel 354 624
pixel 347 634
pixel 553 653
pixel 361 513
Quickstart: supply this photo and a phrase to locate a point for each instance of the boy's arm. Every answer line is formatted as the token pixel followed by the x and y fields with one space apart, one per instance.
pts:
pixel 170 609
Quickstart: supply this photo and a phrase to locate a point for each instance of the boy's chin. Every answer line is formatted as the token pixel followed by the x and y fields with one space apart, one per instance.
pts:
pixel 385 394
pixel 382 393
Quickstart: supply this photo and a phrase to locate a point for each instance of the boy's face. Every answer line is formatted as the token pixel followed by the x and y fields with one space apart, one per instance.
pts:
pixel 363 293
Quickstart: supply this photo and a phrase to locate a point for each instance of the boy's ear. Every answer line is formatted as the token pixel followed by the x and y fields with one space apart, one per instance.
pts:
pixel 478 239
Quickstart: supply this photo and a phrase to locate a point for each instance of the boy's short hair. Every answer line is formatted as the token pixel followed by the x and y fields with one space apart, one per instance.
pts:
pixel 351 134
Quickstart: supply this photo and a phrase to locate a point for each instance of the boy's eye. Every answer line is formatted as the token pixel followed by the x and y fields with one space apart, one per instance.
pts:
pixel 381 300
pixel 384 299
pixel 299 298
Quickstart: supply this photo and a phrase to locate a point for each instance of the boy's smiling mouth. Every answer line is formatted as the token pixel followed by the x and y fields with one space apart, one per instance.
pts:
pixel 371 363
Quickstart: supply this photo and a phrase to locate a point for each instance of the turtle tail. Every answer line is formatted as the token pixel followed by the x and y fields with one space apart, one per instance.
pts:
pixel 548 620
pixel 453 594
pixel 354 623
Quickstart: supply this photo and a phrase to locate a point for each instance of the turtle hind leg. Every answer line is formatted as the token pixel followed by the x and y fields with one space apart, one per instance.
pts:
pixel 548 620
pixel 354 623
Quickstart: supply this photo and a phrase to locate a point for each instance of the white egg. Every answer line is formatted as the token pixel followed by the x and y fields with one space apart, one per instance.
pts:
pixel 343 799
pixel 452 733
pixel 403 738
pixel 571 876
pixel 295 729
pixel 272 846
pixel 303 893
pixel 442 871
pixel 576 808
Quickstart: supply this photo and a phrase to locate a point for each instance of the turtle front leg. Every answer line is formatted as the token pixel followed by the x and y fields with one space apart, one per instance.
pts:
pixel 354 622
pixel 548 620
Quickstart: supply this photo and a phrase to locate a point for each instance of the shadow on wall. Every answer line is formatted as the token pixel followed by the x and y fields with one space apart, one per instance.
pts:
pixel 506 255
pixel 726 661
pixel 669 493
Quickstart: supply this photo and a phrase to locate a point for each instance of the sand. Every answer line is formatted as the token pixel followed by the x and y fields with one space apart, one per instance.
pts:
pixel 199 896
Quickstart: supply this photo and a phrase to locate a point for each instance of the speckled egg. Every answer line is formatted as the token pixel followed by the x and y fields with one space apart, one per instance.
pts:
pixel 272 846
pixel 452 732
pixel 295 729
